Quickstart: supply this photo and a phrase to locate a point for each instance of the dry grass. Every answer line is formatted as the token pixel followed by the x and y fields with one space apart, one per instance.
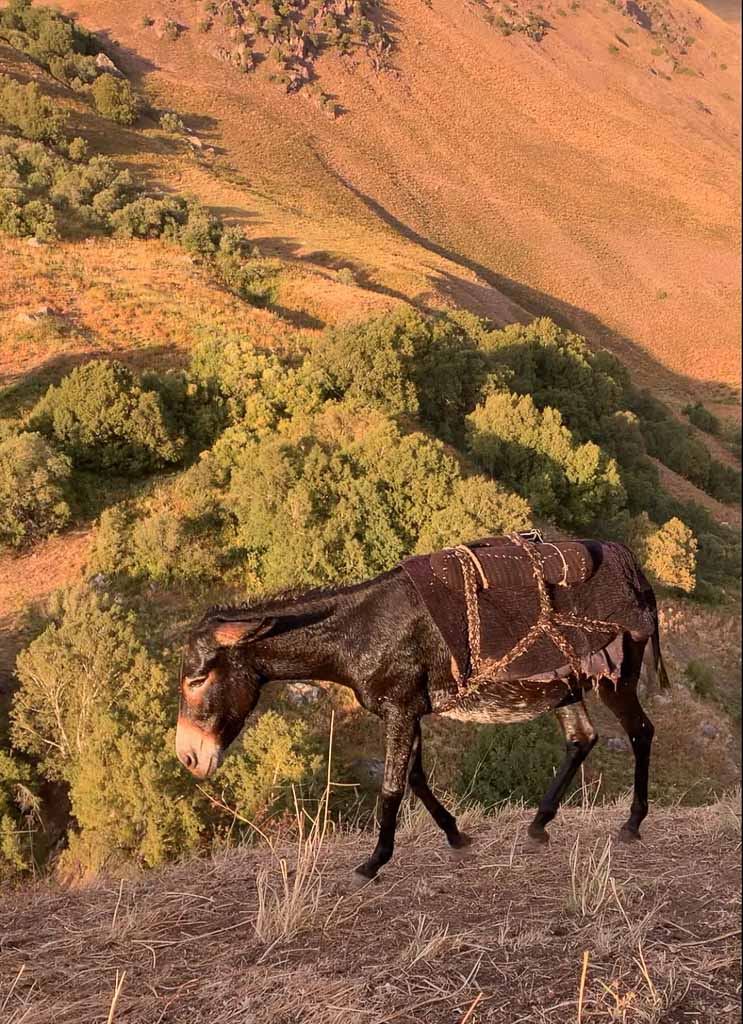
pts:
pixel 238 938
pixel 590 879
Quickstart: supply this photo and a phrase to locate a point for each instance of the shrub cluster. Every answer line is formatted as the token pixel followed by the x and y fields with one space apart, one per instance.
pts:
pixel 53 40
pixel 34 488
pixel 105 420
pixel 68 52
pixel 24 109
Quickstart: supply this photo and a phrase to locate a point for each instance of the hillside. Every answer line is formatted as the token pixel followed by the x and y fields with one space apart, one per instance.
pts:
pixel 500 936
pixel 592 174
pixel 271 322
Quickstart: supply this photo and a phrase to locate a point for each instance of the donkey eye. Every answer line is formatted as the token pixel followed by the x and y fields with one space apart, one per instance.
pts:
pixel 194 682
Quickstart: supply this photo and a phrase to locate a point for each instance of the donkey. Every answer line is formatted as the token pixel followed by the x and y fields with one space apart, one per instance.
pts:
pixel 377 638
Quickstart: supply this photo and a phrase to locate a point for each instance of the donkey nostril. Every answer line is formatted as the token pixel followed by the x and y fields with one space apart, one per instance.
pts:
pixel 188 760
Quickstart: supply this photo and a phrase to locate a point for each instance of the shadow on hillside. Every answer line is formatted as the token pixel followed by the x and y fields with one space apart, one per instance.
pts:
pixel 18 396
pixel 538 303
pixel 132 63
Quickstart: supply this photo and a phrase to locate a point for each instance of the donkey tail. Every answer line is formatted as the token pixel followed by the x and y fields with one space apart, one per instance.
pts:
pixel 660 669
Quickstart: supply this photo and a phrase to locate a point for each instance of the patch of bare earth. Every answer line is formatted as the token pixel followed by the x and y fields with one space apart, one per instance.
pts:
pixel 587 930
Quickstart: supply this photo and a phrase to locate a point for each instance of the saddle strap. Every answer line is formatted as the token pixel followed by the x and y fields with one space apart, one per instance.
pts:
pixel 480 673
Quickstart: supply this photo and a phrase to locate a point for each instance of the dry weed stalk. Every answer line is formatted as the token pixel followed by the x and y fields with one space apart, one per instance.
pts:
pixel 289 903
pixel 429 941
pixel 590 879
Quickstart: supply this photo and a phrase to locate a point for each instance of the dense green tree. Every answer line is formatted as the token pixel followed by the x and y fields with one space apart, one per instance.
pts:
pixel 532 451
pixel 34 485
pixel 92 704
pixel 105 420
pixel 113 97
pixel 405 363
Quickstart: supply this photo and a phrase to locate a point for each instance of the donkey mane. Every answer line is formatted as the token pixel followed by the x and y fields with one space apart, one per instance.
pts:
pixel 280 600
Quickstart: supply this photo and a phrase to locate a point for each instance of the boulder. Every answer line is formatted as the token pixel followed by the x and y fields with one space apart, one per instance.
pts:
pixel 105 64
pixel 302 694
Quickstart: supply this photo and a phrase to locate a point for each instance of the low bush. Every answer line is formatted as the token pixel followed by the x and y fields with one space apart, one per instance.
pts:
pixel 511 762
pixel 105 420
pixel 34 488
pixel 701 417
pixel 700 678
pixel 532 451
pixel 24 109
pixel 114 99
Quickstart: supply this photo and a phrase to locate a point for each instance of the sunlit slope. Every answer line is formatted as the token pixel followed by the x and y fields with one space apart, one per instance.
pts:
pixel 582 174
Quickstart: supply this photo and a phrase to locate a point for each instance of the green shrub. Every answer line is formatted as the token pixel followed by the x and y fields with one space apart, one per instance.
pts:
pixel 254 279
pixel 114 99
pixel 275 758
pixel 701 417
pixel 405 363
pixel 676 446
pixel 148 217
pixel 533 452
pixel 44 194
pixel 106 421
pixel 171 29
pixel 511 762
pixel 92 704
pixel 701 678
pixel 170 122
pixel 25 109
pixel 34 485
pixel 477 508
pixel 201 233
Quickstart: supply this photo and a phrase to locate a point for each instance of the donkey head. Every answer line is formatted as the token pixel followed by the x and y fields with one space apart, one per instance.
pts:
pixel 219 687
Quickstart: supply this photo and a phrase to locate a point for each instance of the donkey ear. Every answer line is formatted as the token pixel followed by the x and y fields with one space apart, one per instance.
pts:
pixel 230 633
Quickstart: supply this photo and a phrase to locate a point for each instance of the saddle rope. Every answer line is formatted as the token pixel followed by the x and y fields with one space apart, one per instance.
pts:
pixel 482 671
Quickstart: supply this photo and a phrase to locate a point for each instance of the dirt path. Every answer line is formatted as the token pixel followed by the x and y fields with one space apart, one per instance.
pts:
pixel 500 935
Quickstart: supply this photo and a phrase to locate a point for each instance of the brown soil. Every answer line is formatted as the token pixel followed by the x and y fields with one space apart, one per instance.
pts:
pixel 495 937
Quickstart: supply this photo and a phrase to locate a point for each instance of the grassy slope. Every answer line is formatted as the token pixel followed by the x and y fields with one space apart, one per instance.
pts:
pixel 496 934
pixel 568 177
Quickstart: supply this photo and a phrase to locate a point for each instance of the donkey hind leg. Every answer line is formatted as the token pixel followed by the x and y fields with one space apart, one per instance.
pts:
pixel 400 736
pixel 580 737
pixel 419 785
pixel 623 701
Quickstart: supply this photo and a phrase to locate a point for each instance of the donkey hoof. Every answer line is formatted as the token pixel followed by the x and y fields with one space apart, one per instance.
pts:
pixel 359 880
pixel 364 873
pixel 537 839
pixel 629 835
pixel 460 841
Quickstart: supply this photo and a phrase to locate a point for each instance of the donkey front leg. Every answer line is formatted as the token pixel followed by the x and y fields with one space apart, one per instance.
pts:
pixel 580 737
pixel 401 731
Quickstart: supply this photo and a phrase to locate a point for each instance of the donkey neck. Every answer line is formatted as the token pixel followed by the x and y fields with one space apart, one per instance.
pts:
pixel 327 636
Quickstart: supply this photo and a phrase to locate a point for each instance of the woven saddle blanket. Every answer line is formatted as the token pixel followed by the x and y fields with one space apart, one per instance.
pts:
pixel 512 608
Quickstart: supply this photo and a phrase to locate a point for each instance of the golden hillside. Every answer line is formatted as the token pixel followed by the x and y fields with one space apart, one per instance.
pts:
pixel 592 175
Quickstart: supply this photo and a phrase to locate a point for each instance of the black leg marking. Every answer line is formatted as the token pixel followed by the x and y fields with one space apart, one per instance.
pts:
pixel 419 785
pixel 580 737
pixel 398 748
pixel 623 701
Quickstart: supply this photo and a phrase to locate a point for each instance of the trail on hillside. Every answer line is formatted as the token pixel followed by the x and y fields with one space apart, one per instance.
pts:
pixel 503 934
